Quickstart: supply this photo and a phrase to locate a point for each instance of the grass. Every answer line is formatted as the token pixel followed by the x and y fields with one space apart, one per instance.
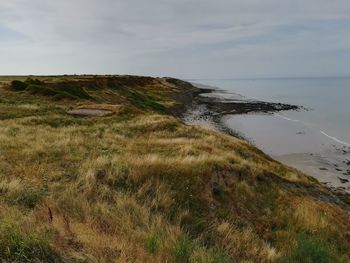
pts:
pixel 182 250
pixel 145 102
pixel 137 186
pixel 18 85
pixel 152 244
pixel 28 198
pixel 64 92
pixel 15 246
pixel 312 250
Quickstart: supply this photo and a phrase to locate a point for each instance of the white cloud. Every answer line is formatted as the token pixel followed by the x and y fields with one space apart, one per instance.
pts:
pixel 175 37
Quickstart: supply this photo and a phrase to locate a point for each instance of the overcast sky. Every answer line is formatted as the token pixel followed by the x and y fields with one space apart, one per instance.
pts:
pixel 180 38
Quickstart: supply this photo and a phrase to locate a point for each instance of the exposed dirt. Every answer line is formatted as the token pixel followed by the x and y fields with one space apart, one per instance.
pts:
pixel 90 112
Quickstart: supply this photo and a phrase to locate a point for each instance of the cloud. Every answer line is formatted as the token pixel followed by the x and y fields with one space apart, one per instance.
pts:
pixel 192 38
pixel 8 35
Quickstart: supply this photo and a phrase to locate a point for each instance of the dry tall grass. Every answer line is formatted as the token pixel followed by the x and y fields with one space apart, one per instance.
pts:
pixel 139 188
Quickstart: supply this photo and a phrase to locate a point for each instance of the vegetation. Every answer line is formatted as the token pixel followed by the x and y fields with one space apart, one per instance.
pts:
pixel 18 85
pixel 312 250
pixel 140 186
pixel 16 246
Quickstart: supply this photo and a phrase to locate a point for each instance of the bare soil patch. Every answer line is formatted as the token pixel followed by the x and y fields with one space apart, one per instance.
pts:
pixel 90 112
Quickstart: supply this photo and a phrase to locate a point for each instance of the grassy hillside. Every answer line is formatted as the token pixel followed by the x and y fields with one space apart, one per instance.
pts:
pixel 140 186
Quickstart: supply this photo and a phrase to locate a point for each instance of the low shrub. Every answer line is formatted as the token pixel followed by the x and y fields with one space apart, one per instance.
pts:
pixel 28 198
pixel 30 81
pixel 18 85
pixel 50 92
pixel 42 90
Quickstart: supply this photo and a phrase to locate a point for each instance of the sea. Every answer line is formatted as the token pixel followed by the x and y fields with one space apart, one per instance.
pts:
pixel 315 139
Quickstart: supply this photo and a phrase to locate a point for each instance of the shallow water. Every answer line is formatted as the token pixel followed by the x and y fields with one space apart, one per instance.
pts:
pixel 275 135
pixel 327 98
pixel 316 141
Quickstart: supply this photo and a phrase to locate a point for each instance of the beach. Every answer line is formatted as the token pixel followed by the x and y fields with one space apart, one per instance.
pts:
pixel 109 158
pixel 265 125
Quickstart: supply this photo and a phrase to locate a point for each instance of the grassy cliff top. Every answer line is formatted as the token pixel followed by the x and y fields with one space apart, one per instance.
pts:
pixel 140 186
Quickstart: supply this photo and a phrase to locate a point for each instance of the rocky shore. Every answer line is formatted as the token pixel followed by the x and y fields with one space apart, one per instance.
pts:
pixel 207 107
pixel 208 110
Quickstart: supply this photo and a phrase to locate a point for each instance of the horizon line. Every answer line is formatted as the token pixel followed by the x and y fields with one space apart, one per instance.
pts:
pixel 271 78
pixel 184 78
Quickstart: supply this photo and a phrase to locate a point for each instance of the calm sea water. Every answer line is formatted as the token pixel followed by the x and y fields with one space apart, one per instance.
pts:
pixel 327 98
pixel 316 141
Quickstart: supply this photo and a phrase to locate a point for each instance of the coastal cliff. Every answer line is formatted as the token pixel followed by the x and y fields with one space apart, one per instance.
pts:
pixel 125 180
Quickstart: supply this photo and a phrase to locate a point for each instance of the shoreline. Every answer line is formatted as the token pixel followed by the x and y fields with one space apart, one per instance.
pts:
pixel 209 110
pixel 147 186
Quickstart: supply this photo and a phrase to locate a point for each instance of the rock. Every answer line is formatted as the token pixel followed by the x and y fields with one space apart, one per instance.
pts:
pixel 212 206
pixel 329 198
pixel 216 189
pixel 100 174
pixel 343 181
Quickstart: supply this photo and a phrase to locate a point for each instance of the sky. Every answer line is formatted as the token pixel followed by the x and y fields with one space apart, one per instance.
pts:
pixel 188 39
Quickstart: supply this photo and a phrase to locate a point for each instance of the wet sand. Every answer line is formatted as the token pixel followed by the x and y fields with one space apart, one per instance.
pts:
pixel 264 125
pixel 296 144
pixel 331 174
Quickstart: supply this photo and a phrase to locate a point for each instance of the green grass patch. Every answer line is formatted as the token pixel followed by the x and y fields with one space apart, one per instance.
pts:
pixel 152 243
pixel 61 90
pixel 312 250
pixel 182 250
pixel 74 90
pixel 220 257
pixel 281 171
pixel 18 85
pixel 146 102
pixel 16 246
pixel 30 81
pixel 27 197
pixel 50 92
